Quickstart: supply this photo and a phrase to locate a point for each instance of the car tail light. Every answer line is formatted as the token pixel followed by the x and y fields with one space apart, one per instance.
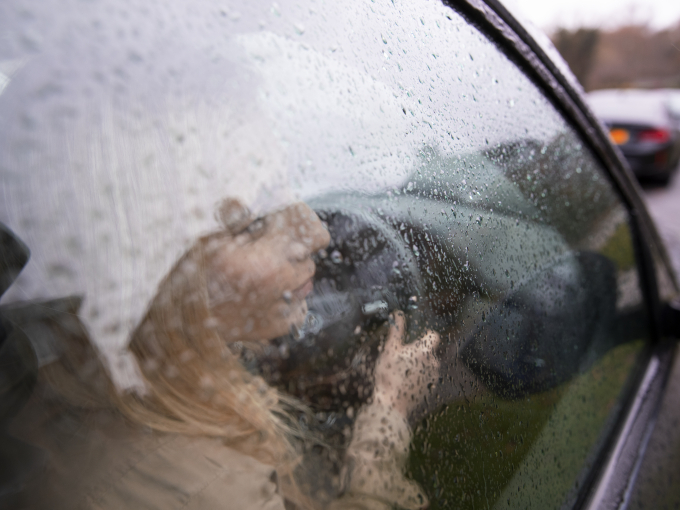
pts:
pixel 619 136
pixel 654 135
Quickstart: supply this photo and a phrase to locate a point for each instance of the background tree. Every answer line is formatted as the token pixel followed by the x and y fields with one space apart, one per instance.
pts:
pixel 629 56
pixel 578 49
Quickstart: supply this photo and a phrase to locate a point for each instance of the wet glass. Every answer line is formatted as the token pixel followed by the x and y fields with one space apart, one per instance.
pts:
pixel 324 254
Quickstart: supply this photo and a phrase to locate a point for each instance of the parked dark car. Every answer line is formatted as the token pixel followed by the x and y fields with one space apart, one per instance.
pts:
pixel 316 255
pixel 645 125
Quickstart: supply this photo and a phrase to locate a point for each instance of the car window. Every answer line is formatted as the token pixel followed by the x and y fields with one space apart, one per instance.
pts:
pixel 317 254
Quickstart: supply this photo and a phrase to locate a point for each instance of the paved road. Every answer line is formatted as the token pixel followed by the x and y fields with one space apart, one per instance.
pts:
pixel 664 206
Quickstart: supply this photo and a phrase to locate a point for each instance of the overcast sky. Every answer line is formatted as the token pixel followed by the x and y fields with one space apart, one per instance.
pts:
pixel 548 14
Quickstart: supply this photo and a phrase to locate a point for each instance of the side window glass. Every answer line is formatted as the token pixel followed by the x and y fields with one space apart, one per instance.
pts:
pixel 548 334
pixel 665 281
pixel 314 256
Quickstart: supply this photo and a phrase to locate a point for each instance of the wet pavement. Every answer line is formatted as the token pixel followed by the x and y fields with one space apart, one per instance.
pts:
pixel 664 206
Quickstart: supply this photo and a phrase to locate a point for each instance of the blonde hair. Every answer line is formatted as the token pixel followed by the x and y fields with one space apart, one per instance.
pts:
pixel 196 385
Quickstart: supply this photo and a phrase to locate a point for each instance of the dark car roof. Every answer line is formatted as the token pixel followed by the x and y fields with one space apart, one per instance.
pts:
pixel 648 107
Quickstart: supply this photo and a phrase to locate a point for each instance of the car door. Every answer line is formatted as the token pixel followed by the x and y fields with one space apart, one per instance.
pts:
pixel 460 179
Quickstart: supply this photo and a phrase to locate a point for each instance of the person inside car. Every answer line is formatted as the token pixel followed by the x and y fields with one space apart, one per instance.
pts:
pixel 214 434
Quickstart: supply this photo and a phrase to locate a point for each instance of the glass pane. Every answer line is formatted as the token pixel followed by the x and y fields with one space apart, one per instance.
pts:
pixel 316 254
pixel 551 328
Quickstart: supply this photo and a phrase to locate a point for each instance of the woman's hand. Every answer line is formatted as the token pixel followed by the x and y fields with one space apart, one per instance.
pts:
pixel 404 373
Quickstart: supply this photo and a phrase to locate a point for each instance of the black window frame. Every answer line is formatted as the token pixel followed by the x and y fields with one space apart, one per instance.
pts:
pixel 613 474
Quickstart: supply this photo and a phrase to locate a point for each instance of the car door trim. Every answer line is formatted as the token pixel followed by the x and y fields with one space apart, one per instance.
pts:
pixel 611 478
pixel 619 472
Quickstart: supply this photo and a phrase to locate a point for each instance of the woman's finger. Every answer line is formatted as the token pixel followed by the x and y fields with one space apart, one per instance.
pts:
pixel 397 333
